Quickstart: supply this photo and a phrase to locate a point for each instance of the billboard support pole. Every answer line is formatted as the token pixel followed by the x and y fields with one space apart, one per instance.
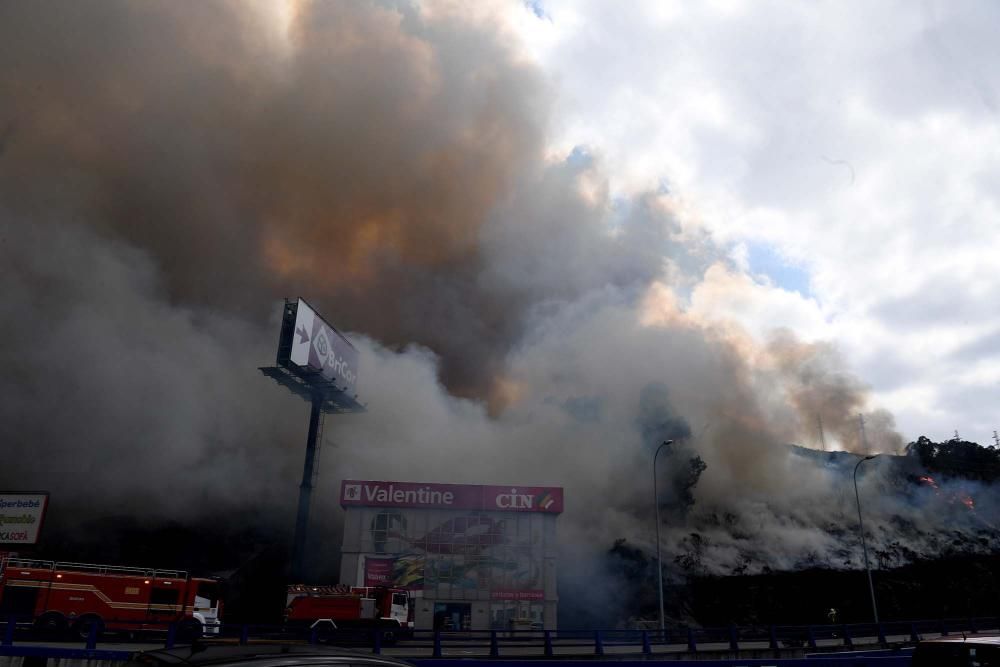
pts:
pixel 313 443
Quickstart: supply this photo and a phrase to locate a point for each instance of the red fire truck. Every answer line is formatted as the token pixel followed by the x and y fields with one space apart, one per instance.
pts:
pixel 59 597
pixel 333 607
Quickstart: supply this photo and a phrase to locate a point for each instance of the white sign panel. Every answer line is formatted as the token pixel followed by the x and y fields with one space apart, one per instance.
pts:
pixel 21 517
pixel 319 346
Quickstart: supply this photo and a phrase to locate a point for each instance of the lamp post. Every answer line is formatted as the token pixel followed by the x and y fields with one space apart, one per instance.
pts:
pixel 861 527
pixel 659 564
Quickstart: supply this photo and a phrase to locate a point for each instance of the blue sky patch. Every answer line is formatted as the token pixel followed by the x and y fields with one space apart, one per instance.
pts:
pixel 537 8
pixel 579 157
pixel 765 259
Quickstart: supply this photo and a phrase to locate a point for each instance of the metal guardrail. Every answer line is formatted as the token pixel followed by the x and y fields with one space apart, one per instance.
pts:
pixel 16 634
pixel 831 661
pixel 90 568
pixel 849 661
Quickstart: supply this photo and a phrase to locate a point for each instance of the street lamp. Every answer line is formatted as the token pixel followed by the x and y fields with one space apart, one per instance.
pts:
pixel 659 564
pixel 861 527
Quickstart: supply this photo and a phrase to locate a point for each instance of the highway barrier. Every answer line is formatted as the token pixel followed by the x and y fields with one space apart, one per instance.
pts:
pixel 741 643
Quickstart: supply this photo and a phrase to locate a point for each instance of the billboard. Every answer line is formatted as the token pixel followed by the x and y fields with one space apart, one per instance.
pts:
pixel 21 517
pixel 448 554
pixel 311 344
pixel 369 493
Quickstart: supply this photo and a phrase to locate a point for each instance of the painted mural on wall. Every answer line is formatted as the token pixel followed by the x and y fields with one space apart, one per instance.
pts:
pixel 464 551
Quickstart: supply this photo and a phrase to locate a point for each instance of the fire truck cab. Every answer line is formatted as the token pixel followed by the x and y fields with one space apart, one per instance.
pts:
pixel 56 597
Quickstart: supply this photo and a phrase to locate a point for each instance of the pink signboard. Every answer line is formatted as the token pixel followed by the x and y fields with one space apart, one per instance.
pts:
pixel 370 493
pixel 507 594
pixel 401 572
pixel 378 571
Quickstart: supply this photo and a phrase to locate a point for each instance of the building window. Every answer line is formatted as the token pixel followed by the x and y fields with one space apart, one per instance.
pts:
pixel 385 529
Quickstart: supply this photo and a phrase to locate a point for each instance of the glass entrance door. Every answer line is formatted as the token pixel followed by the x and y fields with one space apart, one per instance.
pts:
pixel 452 616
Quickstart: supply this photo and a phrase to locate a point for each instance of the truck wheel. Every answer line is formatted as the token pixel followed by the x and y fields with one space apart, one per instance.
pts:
pixel 51 625
pixel 83 625
pixel 189 629
pixel 324 633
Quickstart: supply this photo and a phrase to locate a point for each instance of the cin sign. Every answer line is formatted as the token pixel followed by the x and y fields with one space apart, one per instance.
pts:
pixel 515 500
pixel 523 499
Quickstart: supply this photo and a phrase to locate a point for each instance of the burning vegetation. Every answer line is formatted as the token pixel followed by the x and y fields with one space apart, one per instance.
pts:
pixel 943 535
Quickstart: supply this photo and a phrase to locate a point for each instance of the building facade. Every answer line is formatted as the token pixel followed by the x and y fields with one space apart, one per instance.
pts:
pixel 473 557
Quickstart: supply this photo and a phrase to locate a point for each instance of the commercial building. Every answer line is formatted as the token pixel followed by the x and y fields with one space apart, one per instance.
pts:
pixel 473 557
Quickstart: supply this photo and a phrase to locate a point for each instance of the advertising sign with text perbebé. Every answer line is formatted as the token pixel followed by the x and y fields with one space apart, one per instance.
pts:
pixel 21 517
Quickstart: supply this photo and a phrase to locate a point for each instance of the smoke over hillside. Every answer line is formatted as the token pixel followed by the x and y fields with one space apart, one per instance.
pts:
pixel 169 171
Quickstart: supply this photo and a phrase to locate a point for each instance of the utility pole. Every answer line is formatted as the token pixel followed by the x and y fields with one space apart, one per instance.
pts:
pixel 996 439
pixel 861 531
pixel 659 563
pixel 822 438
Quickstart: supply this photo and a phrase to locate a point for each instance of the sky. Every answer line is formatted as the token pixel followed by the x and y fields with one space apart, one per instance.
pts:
pixel 559 234
pixel 846 155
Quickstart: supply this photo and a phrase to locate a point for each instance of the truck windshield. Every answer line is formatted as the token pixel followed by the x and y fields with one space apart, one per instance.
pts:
pixel 210 591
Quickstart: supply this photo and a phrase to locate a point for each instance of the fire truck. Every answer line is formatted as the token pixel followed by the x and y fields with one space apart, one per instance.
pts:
pixel 327 608
pixel 58 597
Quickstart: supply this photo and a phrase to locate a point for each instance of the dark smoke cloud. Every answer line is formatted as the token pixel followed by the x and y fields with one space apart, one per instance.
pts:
pixel 354 156
pixel 114 398
pixel 169 171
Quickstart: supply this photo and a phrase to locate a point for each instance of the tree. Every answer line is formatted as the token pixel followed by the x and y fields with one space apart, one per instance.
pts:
pixel 957 458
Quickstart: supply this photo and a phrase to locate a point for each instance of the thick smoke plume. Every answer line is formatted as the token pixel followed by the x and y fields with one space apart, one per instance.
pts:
pixel 169 171
pixel 254 153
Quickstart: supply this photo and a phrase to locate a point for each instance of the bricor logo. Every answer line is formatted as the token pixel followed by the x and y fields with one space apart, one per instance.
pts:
pixel 322 345
pixel 352 492
pixel 544 500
